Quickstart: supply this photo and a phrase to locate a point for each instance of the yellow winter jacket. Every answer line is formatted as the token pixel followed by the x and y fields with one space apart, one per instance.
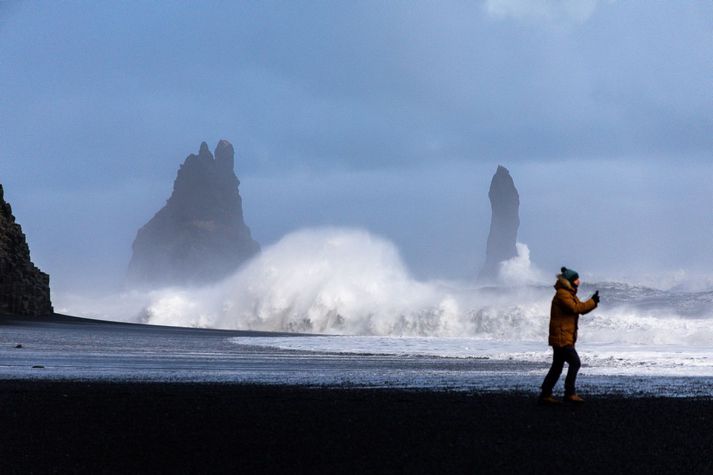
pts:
pixel 565 312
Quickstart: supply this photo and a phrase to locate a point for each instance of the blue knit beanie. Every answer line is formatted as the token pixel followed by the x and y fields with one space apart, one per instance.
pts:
pixel 570 274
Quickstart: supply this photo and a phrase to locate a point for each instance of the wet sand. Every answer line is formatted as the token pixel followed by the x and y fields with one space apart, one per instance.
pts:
pixel 104 427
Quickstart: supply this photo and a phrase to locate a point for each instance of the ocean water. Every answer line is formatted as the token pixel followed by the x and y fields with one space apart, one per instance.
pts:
pixel 353 288
pixel 636 331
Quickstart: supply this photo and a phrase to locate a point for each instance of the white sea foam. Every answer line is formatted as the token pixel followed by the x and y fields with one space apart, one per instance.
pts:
pixel 339 281
pixel 600 359
pixel 519 270
pixel 350 282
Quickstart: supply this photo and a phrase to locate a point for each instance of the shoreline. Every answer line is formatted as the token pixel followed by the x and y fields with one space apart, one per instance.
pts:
pixel 62 319
pixel 118 427
pixel 65 349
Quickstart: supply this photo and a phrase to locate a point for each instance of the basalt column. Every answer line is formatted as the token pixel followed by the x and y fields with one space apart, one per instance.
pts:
pixel 505 221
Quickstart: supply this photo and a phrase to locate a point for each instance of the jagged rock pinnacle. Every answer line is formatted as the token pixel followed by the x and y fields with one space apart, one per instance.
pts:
pixel 225 155
pixel 204 151
pixel 200 235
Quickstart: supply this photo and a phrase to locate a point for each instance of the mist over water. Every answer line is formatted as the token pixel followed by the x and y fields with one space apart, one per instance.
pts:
pixel 350 282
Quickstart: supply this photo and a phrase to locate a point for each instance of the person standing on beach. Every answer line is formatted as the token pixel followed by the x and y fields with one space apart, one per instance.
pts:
pixel 564 319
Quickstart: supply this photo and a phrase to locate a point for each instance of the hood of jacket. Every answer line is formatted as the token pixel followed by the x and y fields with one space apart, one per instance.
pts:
pixel 564 284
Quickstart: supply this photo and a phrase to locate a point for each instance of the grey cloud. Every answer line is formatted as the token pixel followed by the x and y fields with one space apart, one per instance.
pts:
pixel 375 102
pixel 368 84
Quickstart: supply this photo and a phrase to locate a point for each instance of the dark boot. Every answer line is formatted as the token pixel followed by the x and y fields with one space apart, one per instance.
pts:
pixel 573 398
pixel 547 400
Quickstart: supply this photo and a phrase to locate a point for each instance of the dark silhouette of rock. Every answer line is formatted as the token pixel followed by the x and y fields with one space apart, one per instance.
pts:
pixel 24 289
pixel 505 221
pixel 199 236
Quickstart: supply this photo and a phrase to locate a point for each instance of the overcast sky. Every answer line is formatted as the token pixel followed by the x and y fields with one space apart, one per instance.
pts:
pixel 391 116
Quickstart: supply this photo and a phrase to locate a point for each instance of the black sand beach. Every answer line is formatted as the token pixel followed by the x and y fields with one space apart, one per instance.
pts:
pixel 91 427
pixel 121 398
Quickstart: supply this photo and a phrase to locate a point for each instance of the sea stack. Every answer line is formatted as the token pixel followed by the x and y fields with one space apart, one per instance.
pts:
pixel 199 236
pixel 505 221
pixel 24 289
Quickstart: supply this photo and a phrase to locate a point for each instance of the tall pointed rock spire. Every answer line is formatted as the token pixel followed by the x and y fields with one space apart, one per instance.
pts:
pixel 505 221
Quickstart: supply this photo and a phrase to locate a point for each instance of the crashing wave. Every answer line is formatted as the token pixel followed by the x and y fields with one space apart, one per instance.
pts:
pixel 351 282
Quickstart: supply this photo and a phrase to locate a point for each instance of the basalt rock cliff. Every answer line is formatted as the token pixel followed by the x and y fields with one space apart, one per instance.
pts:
pixel 505 221
pixel 200 235
pixel 24 289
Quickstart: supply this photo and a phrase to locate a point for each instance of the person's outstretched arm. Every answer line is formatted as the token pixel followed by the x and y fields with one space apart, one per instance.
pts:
pixel 573 304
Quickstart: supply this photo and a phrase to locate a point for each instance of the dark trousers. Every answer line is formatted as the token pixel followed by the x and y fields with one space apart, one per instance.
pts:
pixel 561 356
